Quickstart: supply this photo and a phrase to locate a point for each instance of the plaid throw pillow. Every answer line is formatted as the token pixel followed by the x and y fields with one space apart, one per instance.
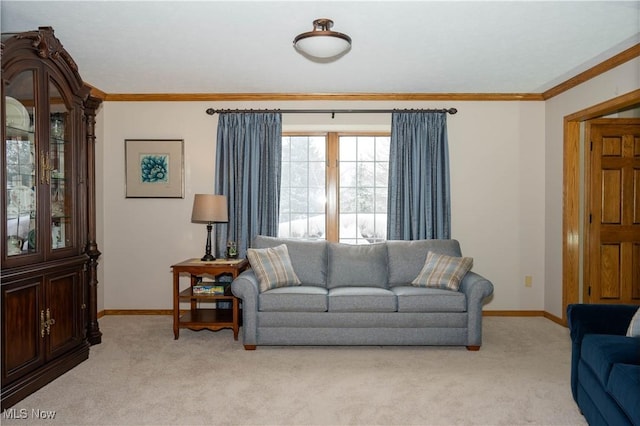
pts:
pixel 273 267
pixel 441 271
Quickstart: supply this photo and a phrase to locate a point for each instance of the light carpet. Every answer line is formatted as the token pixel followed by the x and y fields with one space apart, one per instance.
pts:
pixel 140 375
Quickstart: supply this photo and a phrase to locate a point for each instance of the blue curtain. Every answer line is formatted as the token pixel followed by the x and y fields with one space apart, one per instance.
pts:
pixel 248 159
pixel 419 205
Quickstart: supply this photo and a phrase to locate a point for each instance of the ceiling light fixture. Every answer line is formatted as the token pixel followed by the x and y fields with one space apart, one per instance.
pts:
pixel 322 42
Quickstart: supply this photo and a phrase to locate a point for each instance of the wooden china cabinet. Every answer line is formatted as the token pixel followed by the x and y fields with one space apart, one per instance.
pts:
pixel 49 252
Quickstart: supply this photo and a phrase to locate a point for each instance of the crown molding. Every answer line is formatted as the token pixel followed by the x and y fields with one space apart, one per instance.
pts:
pixel 601 68
pixel 620 58
pixel 226 97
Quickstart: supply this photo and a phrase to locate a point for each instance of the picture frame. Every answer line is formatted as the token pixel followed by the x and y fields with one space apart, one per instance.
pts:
pixel 154 168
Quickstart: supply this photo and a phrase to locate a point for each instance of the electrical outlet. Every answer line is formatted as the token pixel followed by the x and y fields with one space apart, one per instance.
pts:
pixel 528 281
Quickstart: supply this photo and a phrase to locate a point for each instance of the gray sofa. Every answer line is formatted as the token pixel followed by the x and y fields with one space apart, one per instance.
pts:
pixel 361 295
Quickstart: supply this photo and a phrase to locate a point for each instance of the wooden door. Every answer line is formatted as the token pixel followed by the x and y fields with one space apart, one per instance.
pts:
pixel 612 272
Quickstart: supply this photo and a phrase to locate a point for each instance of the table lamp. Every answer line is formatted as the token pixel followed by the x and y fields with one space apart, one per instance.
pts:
pixel 209 208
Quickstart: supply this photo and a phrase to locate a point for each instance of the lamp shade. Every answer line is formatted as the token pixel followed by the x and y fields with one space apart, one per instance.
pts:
pixel 322 42
pixel 209 208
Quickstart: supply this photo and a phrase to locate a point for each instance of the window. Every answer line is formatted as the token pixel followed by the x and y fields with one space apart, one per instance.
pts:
pixel 334 187
pixel 303 187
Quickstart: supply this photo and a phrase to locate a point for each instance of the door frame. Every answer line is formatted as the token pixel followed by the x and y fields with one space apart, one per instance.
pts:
pixel 571 203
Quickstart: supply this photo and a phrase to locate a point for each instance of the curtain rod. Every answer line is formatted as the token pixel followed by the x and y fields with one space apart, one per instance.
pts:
pixel 333 112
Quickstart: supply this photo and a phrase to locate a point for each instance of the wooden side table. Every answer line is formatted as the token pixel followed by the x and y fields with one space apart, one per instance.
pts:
pixel 199 318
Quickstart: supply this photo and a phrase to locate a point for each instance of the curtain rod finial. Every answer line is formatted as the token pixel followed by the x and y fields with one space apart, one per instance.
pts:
pixel 211 111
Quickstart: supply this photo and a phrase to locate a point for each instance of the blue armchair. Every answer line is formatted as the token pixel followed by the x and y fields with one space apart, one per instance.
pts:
pixel 605 364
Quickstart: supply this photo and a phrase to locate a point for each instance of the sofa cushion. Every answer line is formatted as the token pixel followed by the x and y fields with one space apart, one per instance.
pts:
pixel 309 258
pixel 624 387
pixel 272 267
pixel 601 351
pixel 422 299
pixel 357 265
pixel 406 258
pixel 294 299
pixel 442 271
pixel 361 299
pixel 634 326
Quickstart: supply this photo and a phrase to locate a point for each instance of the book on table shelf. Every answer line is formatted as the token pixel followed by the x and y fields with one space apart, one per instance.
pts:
pixel 208 289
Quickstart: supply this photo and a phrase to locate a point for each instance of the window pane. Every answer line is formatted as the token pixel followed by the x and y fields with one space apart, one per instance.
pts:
pixel 299 148
pixel 317 173
pixel 365 200
pixel 348 199
pixel 284 203
pixel 382 148
pixel 366 174
pixel 316 228
pixel 286 148
pixel 366 148
pixel 381 226
pixel 285 178
pixel 299 201
pixel 348 226
pixel 369 197
pixel 381 200
pixel 348 148
pixel 302 189
pixel 317 148
pixel 299 174
pixel 382 173
pixel 317 200
pixel 348 174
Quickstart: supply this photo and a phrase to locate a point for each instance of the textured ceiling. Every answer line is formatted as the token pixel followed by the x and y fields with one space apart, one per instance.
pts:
pixel 398 47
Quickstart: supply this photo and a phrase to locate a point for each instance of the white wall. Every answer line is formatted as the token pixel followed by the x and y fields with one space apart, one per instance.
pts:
pixel 623 79
pixel 497 153
pixel 506 161
pixel 497 161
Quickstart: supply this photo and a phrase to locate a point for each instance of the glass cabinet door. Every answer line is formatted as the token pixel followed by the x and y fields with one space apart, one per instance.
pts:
pixel 59 171
pixel 21 166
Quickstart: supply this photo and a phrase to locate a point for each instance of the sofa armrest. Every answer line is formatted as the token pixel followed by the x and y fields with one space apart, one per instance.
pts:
pixel 598 319
pixel 476 288
pixel 245 287
pixel 594 319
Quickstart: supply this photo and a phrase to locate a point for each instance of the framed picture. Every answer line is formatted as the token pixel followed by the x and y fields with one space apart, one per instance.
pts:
pixel 154 168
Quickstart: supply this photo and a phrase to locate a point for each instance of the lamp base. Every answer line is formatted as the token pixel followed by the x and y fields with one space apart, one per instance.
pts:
pixel 208 257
